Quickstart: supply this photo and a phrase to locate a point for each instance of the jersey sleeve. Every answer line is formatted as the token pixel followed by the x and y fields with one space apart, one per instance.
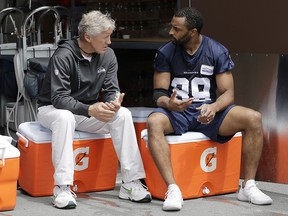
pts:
pixel 224 63
pixel 161 63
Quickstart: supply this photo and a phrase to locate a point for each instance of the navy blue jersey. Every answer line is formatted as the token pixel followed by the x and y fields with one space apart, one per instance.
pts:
pixel 194 75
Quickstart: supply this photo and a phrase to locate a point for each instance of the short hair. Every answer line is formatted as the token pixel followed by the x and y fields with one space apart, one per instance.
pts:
pixel 194 18
pixel 95 22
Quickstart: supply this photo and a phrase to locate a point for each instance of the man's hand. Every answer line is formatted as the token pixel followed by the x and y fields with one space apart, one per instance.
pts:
pixel 178 105
pixel 106 111
pixel 115 104
pixel 207 113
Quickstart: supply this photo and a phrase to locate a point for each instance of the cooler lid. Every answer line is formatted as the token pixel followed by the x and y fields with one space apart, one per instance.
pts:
pixel 140 114
pixel 39 134
pixel 176 139
pixel 7 150
pixel 140 111
pixel 184 138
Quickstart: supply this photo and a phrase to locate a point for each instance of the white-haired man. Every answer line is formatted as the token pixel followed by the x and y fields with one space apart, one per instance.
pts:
pixel 79 71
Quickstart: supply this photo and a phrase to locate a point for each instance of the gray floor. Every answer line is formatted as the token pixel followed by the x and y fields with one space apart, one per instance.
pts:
pixel 107 203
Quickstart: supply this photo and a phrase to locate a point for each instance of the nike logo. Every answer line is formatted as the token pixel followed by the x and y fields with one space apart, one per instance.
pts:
pixel 128 190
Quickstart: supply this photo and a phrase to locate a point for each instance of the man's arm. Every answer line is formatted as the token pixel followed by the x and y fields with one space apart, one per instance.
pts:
pixel 110 85
pixel 106 111
pixel 162 81
pixel 225 86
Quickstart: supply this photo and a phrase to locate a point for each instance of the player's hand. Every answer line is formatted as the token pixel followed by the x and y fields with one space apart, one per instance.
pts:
pixel 207 113
pixel 178 105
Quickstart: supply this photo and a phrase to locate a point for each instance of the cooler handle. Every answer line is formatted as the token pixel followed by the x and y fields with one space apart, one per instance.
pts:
pixel 2 147
pixel 24 138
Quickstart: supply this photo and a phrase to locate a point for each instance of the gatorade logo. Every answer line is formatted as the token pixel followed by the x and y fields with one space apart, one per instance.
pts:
pixel 81 158
pixel 208 161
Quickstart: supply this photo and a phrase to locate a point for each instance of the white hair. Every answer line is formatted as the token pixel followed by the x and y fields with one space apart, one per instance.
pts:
pixel 95 22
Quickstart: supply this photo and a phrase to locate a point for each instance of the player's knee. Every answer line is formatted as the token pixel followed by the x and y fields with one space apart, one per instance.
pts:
pixel 255 119
pixel 151 121
pixel 157 122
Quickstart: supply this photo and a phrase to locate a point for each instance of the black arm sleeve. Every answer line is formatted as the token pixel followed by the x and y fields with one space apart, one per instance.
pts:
pixel 159 92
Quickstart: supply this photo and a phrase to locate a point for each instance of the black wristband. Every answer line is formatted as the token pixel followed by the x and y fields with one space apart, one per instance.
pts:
pixel 159 92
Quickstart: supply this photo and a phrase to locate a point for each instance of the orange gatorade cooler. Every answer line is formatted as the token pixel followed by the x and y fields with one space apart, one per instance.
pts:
pixel 139 115
pixel 96 162
pixel 9 172
pixel 201 167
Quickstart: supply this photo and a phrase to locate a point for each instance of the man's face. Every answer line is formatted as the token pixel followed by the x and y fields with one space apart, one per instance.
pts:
pixel 179 32
pixel 101 42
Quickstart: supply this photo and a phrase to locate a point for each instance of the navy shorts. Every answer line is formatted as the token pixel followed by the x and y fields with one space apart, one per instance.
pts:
pixel 187 121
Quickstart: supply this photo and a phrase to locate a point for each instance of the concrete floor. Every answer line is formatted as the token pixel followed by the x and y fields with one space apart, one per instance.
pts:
pixel 107 203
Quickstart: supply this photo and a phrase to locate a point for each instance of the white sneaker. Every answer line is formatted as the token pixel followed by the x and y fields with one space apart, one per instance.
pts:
pixel 63 197
pixel 251 193
pixel 173 199
pixel 135 191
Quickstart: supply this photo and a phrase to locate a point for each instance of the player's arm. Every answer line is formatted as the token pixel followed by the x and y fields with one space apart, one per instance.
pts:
pixel 161 85
pixel 225 86
pixel 161 82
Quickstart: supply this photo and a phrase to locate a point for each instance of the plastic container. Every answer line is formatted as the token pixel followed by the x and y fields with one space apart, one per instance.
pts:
pixel 9 172
pixel 201 167
pixel 96 162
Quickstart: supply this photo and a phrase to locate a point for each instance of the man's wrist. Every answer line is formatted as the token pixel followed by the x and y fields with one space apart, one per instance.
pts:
pixel 90 109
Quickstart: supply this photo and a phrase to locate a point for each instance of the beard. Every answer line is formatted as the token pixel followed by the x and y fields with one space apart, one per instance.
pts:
pixel 182 41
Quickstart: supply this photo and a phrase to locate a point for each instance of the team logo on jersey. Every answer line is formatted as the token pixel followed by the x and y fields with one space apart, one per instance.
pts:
pixel 206 70
pixel 56 72
pixel 101 70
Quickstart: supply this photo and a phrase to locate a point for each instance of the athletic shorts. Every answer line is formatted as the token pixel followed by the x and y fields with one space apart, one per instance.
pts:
pixel 187 121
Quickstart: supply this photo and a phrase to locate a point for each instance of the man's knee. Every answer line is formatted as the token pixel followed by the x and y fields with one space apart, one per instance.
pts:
pixel 65 116
pixel 255 119
pixel 152 121
pixel 123 114
pixel 158 123
pixel 123 111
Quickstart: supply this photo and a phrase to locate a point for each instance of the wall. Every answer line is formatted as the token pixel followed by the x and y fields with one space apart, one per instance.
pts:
pixel 257 26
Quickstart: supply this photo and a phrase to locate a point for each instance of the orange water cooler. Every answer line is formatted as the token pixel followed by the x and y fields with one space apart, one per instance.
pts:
pixel 139 115
pixel 201 167
pixel 9 172
pixel 96 162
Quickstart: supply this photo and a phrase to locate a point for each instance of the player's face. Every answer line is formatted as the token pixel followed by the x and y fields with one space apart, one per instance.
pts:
pixel 101 42
pixel 179 32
